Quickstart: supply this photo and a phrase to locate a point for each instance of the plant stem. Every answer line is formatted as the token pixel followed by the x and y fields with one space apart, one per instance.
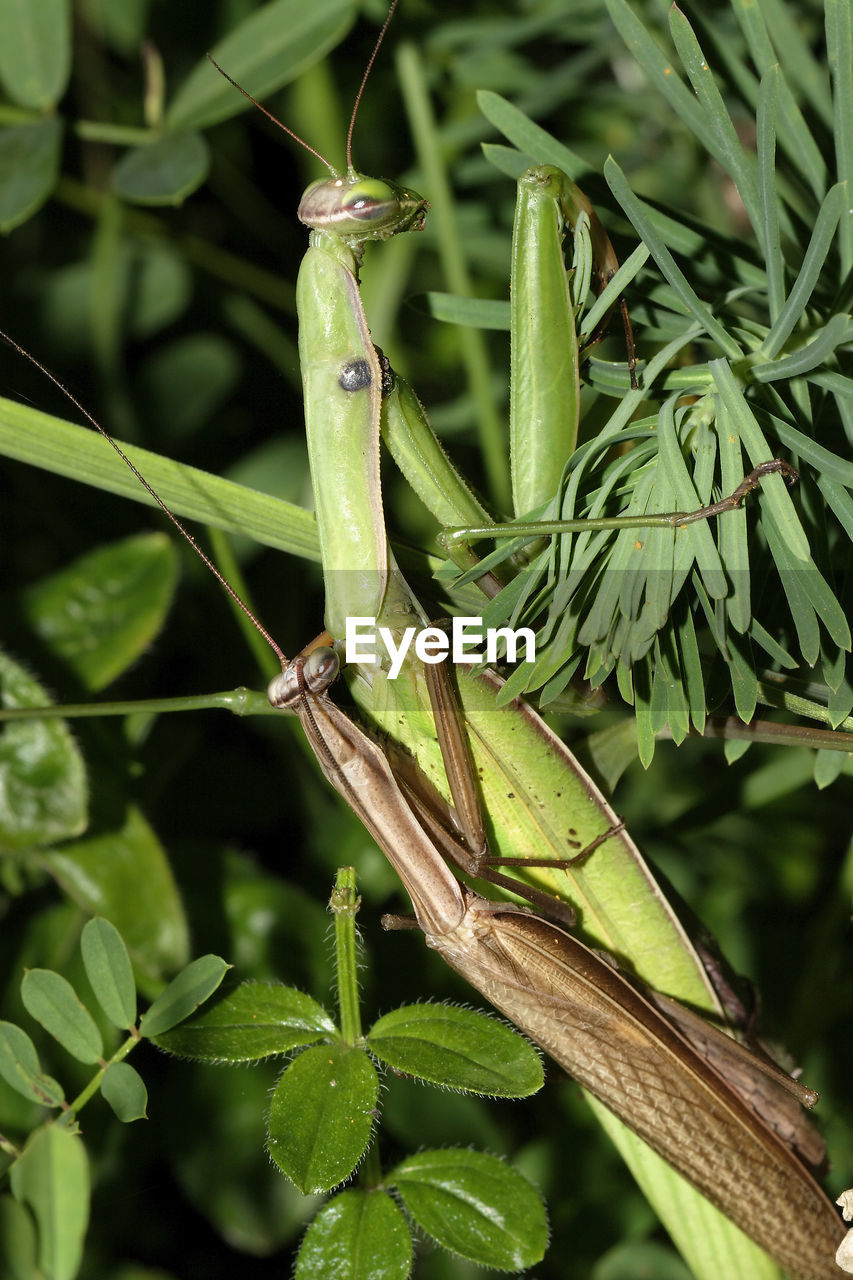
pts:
pixel 344 904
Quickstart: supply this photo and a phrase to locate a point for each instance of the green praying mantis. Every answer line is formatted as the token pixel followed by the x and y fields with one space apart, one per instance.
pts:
pixel 361 579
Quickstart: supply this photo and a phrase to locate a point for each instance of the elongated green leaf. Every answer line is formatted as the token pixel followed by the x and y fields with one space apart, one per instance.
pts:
pixel 773 487
pixel 528 136
pixel 35 51
pixel 811 355
pixel 268 50
pixel 21 1069
pixel 659 69
pixel 52 1001
pixel 321 1116
pixel 481 313
pixel 476 1206
pixel 80 453
pixel 457 1048
pixel 728 150
pixel 812 266
pixel 52 1178
pixel 193 985
pixel 839 40
pixel 124 1089
pixel 360 1235
pixel 637 212
pixel 109 971
pixel 794 135
pixel 257 1020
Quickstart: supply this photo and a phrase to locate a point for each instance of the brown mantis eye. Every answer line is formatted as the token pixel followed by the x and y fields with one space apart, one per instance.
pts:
pixel 320 669
pixel 313 674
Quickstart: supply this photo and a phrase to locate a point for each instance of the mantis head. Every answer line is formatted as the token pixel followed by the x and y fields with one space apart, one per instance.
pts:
pixel 361 208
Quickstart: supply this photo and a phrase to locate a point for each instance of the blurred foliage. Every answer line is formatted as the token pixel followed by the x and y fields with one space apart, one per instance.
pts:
pixel 175 325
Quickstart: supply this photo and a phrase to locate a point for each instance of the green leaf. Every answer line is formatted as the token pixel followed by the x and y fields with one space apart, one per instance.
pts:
pixel 268 50
pixel 124 1089
pixel 164 172
pixel 839 41
pixel 773 487
pixel 727 149
pixel 474 1205
pixel 79 453
pixel 321 1116
pixel 52 1001
pixel 810 271
pixel 192 986
pixel 457 1048
pixel 109 971
pixel 35 51
pixel 204 362
pixel 641 217
pixel 528 136
pixel 256 1020
pixel 641 1260
pixel 360 1235
pixel 29 169
pixel 52 1177
pixel 102 612
pixel 479 313
pixel 43 793
pixel 125 876
pixel 21 1069
pixel 17 1241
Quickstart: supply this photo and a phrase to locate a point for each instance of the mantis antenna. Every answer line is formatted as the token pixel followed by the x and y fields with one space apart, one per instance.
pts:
pixel 295 136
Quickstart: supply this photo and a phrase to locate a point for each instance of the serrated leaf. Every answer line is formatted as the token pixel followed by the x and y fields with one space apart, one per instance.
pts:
pixel 164 172
pixel 52 1001
pixel 109 971
pixel 52 1177
pixel 192 986
pixel 35 51
pixel 475 1205
pixel 43 793
pixel 21 1069
pixel 124 1089
pixel 458 1048
pixel 255 1021
pixel 29 168
pixel 102 612
pixel 321 1116
pixel 360 1235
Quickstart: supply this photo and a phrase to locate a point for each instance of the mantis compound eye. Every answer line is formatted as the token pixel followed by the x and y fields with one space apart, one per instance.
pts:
pixel 320 669
pixel 312 674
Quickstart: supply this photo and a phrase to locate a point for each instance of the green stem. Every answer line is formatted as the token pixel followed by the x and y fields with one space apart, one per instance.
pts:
pixel 240 702
pixel 94 1084
pixel 792 735
pixel 800 706
pixel 344 904
pixel 472 347
pixel 120 135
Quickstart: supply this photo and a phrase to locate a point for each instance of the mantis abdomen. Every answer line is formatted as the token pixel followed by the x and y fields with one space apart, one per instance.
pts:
pixel 592 1021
